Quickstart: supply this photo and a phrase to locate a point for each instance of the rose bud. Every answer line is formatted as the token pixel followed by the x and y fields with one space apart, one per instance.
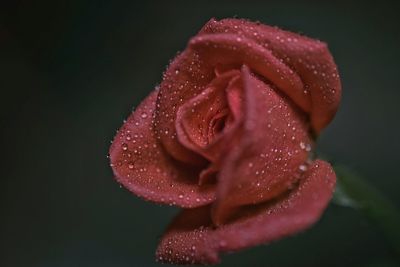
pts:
pixel 228 136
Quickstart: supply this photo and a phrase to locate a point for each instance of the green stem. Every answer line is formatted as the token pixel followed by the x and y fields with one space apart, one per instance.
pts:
pixel 355 192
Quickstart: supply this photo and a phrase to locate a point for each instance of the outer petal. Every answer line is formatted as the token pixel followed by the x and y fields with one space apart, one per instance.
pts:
pixel 186 77
pixel 192 239
pixel 307 57
pixel 264 162
pixel 140 163
pixel 230 49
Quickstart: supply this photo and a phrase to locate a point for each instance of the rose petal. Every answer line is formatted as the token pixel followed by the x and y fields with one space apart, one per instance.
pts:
pixel 140 163
pixel 309 58
pixel 265 160
pixel 191 238
pixel 186 77
pixel 228 49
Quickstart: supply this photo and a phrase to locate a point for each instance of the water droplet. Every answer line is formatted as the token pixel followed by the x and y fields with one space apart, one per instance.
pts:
pixel 144 115
pixel 308 147
pixel 303 167
pixel 124 147
pixel 302 145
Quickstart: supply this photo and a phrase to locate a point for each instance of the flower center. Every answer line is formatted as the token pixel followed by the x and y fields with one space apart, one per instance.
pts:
pixel 203 121
pixel 217 124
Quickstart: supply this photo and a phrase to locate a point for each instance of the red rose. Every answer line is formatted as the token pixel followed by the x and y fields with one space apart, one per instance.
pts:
pixel 228 137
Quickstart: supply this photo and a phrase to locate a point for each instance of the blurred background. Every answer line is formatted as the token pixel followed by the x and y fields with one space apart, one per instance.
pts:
pixel 71 71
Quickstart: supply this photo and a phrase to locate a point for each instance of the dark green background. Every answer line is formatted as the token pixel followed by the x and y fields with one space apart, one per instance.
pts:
pixel 71 72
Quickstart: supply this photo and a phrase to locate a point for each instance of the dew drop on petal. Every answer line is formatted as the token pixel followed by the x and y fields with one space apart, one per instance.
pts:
pixel 130 165
pixel 302 145
pixel 303 167
pixel 308 147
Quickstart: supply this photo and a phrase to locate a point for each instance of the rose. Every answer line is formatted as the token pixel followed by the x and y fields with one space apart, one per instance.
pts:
pixel 228 135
